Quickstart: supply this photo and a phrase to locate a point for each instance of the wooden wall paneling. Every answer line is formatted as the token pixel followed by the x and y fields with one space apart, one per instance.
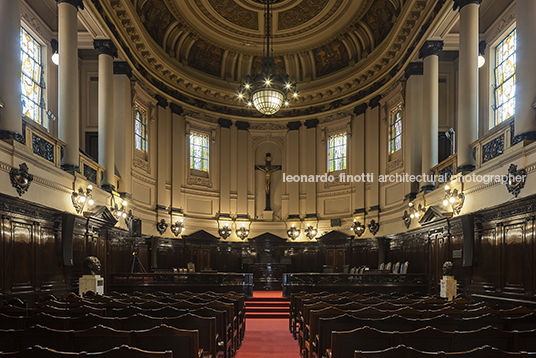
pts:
pixel 515 258
pixel 49 266
pixel 20 263
pixel 484 275
pixel 3 257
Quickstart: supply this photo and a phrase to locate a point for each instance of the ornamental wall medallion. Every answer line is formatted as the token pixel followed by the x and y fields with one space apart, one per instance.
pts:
pixel 407 219
pixel 374 227
pixel 515 180
pixel 161 226
pixel 21 178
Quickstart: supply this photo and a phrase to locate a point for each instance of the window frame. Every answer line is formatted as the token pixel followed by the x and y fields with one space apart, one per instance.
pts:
pixel 191 157
pixel 398 108
pixel 139 107
pixel 43 64
pixel 329 160
pixel 495 87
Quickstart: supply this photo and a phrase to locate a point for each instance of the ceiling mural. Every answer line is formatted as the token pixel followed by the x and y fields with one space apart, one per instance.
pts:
pixel 256 67
pixel 156 18
pixel 300 14
pixel 206 58
pixel 236 14
pixel 197 52
pixel 330 58
pixel 381 18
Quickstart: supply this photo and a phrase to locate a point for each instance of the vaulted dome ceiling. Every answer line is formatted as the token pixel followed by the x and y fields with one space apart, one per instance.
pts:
pixel 340 52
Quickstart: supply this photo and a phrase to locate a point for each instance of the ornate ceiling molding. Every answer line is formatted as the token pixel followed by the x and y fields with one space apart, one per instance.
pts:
pixel 367 74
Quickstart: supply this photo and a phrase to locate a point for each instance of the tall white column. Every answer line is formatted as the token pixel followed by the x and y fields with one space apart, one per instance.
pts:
pixel 525 126
pixel 357 158
pixel 225 158
pixel 467 131
pixel 123 121
pixel 10 68
pixel 413 125
pixel 68 82
pixel 107 52
pixel 242 156
pixel 310 167
pixel 430 124
pixel 293 164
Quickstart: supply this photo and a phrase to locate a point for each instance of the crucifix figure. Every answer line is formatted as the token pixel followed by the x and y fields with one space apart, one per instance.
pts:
pixel 268 169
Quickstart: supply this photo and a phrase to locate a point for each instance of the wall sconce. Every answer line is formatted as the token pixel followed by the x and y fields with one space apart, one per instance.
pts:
pixel 293 232
pixel 310 231
pixel 481 51
pixel 119 211
pixel 178 227
pixel 416 212
pixel 81 197
pixel 55 55
pixel 358 228
pixel 224 231
pixel 454 199
pixel 242 232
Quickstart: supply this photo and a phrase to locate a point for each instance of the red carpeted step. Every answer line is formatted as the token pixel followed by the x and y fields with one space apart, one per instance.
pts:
pixel 270 305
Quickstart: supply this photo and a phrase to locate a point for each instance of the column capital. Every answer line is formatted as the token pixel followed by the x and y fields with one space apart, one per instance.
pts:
pixel 414 69
pixel 242 125
pixel 361 109
pixel 176 109
pixel 225 123
pixel 161 101
pixel 311 123
pixel 458 4
pixel 430 47
pixel 105 47
pixel 294 126
pixel 374 102
pixel 79 4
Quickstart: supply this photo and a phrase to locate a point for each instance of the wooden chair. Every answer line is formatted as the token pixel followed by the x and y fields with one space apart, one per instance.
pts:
pixel 468 340
pixel 91 320
pixel 183 343
pixel 130 352
pixel 206 326
pixel 163 312
pixel 100 338
pixel 224 343
pixel 520 323
pixel 124 312
pixel 314 316
pixel 139 322
pixel 344 343
pixel 428 339
pixel 326 325
pixel 11 322
pixel 400 351
pixel 46 337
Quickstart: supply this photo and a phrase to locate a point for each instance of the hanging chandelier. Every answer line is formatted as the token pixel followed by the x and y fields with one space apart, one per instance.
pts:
pixel 267 91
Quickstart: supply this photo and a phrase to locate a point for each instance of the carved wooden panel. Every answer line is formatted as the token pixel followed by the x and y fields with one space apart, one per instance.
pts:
pixel 485 268
pixel 20 259
pixel 515 252
pixel 49 266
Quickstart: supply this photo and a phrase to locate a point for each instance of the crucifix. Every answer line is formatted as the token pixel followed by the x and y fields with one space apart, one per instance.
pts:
pixel 268 169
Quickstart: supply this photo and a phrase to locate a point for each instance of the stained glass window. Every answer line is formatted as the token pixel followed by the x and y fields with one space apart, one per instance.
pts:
pixel 395 129
pixel 337 152
pixel 199 151
pixel 31 77
pixel 140 128
pixel 505 78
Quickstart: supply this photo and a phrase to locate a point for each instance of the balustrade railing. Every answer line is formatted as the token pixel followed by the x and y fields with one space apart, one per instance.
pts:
pixel 445 169
pixel 494 143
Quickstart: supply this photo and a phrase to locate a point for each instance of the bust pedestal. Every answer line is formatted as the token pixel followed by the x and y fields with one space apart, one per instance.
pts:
pixel 448 287
pixel 268 215
pixel 93 283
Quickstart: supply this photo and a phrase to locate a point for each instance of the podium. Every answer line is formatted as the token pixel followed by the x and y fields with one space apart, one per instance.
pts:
pixel 93 283
pixel 448 287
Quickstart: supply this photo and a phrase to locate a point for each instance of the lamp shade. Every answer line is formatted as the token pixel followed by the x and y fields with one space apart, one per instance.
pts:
pixel 268 100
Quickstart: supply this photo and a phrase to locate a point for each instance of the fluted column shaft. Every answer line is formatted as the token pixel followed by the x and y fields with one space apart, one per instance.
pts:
pixel 467 131
pixel 10 69
pixel 525 126
pixel 68 113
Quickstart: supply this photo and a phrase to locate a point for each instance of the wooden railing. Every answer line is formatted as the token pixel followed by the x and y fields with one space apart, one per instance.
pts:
pixel 445 169
pixel 494 143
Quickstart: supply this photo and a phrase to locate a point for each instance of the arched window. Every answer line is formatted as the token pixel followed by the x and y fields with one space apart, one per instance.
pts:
pixel 337 152
pixel 505 78
pixel 31 77
pixel 395 129
pixel 199 151
pixel 140 128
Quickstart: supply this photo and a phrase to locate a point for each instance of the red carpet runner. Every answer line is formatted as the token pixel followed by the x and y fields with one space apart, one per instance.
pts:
pixel 267 338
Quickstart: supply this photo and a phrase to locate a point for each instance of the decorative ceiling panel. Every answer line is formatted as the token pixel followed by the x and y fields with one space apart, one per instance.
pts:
pixel 300 14
pixel 238 15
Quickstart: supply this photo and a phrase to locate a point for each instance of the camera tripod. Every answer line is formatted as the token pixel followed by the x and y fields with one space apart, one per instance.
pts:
pixel 136 260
